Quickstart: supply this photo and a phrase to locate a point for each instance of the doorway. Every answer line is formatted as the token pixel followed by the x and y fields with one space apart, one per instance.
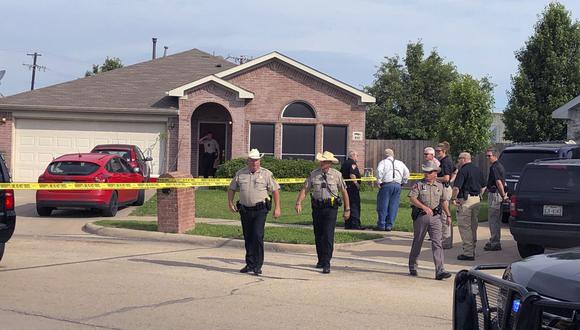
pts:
pixel 219 132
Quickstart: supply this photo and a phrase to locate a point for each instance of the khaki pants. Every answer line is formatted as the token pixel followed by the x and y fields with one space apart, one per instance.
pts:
pixel 467 221
pixel 446 230
pixel 423 225
pixel 494 218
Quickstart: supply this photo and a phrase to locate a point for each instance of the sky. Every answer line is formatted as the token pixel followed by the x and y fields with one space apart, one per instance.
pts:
pixel 344 39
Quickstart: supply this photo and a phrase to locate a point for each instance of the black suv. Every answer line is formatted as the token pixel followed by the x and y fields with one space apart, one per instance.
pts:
pixel 545 208
pixel 541 292
pixel 7 214
pixel 514 158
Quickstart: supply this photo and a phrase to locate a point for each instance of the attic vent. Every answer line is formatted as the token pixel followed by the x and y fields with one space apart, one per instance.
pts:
pixel 218 65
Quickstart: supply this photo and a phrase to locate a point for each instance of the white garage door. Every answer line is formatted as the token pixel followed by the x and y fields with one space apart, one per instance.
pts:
pixel 38 141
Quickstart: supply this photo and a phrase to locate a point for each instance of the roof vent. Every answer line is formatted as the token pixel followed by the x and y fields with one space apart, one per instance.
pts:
pixel 218 65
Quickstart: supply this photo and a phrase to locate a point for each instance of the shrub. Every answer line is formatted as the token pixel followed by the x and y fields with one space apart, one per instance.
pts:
pixel 281 168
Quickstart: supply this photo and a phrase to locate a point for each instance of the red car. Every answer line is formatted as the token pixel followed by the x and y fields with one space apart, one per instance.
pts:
pixel 89 168
pixel 131 153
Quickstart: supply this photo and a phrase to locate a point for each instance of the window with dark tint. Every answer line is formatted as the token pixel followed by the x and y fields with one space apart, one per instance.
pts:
pixel 262 138
pixel 72 168
pixel 553 178
pixel 514 161
pixel 117 165
pixel 576 153
pixel 298 141
pixel 126 154
pixel 335 141
pixel 299 110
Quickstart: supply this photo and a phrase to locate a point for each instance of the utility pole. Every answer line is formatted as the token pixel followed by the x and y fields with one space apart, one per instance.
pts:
pixel 34 67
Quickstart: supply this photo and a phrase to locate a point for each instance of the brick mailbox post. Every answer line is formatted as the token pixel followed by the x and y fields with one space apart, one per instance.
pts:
pixel 175 206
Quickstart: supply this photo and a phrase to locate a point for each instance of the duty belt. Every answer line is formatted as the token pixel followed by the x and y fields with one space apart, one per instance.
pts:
pixel 322 203
pixel 259 206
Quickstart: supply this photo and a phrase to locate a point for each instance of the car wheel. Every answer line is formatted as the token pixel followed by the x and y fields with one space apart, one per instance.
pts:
pixel 111 210
pixel 528 250
pixel 2 247
pixel 140 198
pixel 505 217
pixel 44 211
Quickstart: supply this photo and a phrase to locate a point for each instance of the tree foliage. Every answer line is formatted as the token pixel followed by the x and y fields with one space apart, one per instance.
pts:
pixel 466 121
pixel 411 95
pixel 548 76
pixel 111 63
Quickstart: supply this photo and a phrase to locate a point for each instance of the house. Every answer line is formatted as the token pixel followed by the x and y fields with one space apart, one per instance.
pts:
pixel 274 103
pixel 498 128
pixel 571 113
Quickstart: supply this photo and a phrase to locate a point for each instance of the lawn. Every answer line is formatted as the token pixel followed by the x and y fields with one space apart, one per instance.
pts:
pixel 213 204
pixel 271 234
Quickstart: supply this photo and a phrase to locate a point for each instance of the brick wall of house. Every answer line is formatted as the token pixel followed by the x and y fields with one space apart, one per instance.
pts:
pixel 574 124
pixel 6 129
pixel 275 85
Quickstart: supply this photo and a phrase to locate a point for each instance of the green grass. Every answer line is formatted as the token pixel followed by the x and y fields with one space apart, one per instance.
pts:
pixel 213 204
pixel 271 234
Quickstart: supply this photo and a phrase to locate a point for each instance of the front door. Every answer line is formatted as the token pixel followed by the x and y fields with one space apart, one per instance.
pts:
pixel 219 134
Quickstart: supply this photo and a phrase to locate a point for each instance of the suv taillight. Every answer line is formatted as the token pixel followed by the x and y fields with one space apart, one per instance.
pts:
pixel 513 210
pixel 9 200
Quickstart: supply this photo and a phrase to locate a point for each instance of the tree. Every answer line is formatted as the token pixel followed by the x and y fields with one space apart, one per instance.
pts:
pixel 466 121
pixel 410 95
pixel 111 63
pixel 548 76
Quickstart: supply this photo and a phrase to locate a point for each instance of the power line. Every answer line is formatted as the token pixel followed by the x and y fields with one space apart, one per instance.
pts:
pixel 34 66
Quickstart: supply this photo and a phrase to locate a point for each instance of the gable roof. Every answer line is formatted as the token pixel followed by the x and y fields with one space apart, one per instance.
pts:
pixel 363 97
pixel 140 86
pixel 242 93
pixel 563 112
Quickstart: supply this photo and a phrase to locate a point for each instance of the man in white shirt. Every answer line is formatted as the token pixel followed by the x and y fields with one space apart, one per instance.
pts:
pixel 391 175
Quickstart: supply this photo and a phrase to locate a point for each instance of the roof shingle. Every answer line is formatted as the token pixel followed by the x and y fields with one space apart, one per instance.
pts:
pixel 139 86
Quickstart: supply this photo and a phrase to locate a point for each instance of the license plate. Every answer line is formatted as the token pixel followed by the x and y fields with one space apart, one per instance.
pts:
pixel 553 210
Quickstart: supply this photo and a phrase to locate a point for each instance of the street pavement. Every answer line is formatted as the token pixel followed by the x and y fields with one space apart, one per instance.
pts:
pixel 55 276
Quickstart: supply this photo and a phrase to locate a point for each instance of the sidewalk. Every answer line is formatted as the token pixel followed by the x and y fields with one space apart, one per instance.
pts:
pixel 394 248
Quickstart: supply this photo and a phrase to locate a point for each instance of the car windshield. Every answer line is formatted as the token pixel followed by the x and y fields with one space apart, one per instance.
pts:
pixel 554 178
pixel 72 168
pixel 514 161
pixel 121 153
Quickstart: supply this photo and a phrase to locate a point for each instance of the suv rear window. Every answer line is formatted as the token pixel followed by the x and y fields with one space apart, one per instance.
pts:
pixel 121 153
pixel 553 178
pixel 514 161
pixel 72 168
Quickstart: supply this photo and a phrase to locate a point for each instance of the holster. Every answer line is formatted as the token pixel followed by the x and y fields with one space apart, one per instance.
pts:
pixel 416 212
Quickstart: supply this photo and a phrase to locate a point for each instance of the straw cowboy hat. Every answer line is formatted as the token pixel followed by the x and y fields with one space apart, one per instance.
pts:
pixel 429 166
pixel 326 156
pixel 255 154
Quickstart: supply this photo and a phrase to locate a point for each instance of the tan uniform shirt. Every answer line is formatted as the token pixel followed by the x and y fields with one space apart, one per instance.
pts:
pixel 210 146
pixel 430 194
pixel 315 184
pixel 253 187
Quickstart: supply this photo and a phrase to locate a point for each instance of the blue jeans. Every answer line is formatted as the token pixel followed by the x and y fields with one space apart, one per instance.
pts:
pixel 388 204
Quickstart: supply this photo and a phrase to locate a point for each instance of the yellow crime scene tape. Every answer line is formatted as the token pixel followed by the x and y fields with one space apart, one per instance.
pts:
pixel 161 184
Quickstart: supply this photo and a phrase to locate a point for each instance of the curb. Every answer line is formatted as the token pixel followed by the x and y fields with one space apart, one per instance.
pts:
pixel 143 235
pixel 217 242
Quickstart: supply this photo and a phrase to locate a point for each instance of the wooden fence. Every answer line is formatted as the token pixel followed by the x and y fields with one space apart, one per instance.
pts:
pixel 410 152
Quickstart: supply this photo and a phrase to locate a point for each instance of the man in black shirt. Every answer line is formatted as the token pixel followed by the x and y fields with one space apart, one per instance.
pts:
pixel 466 190
pixel 496 194
pixel 349 170
pixel 444 176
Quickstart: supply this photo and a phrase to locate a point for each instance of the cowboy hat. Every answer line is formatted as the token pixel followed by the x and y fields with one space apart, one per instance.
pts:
pixel 429 166
pixel 255 154
pixel 326 156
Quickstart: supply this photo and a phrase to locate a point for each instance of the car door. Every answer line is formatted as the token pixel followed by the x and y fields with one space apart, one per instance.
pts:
pixel 130 176
pixel 143 164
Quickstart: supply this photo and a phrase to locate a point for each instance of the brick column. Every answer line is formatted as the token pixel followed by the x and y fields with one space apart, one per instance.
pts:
pixel 175 207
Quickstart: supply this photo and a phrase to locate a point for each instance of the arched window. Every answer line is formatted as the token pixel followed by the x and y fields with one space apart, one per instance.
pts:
pixel 298 110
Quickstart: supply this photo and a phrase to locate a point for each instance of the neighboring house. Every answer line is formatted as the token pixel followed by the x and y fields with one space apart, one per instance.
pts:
pixel 571 113
pixel 165 105
pixel 498 129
